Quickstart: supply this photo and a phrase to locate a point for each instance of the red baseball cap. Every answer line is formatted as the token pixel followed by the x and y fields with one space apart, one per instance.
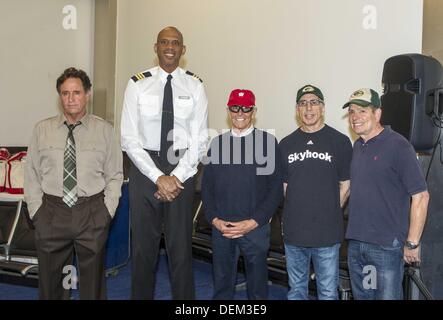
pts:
pixel 241 97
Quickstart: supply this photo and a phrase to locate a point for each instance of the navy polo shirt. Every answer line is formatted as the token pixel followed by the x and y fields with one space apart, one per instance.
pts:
pixel 385 173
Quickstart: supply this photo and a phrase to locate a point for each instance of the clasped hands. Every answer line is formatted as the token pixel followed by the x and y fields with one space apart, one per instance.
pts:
pixel 169 187
pixel 234 230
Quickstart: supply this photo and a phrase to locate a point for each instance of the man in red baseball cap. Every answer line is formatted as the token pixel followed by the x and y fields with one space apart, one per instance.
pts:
pixel 241 107
pixel 240 194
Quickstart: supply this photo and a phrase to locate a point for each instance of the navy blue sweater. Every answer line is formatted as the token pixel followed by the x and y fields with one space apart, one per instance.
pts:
pixel 243 179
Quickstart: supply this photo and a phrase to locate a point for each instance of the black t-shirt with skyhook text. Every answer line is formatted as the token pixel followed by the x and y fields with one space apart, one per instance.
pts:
pixel 314 164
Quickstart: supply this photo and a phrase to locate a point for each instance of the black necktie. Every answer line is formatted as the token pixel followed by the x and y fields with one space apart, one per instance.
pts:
pixel 167 122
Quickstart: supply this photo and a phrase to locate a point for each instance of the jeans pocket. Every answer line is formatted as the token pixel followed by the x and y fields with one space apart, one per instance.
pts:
pixel 396 245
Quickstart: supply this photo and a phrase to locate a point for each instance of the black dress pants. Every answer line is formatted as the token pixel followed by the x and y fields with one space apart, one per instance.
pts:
pixel 149 219
pixel 58 231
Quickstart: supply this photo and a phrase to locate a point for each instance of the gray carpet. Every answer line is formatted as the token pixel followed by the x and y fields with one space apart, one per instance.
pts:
pixel 119 285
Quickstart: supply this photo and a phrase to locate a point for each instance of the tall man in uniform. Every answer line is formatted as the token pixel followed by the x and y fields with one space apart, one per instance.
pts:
pixel 387 205
pixel 164 132
pixel 316 161
pixel 73 178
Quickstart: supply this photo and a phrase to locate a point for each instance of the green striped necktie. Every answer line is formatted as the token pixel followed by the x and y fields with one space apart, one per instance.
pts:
pixel 69 168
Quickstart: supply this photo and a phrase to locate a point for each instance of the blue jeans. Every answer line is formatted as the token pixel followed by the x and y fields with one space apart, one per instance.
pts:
pixel 376 271
pixel 325 260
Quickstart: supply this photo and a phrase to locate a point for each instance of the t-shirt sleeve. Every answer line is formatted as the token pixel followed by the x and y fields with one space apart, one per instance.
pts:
pixel 409 170
pixel 345 159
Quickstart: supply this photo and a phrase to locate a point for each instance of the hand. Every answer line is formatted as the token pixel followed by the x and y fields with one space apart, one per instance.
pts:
pixel 160 197
pixel 223 226
pixel 220 224
pixel 169 187
pixel 411 255
pixel 239 229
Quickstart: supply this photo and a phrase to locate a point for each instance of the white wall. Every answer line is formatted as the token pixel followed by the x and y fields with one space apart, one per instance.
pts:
pixel 35 49
pixel 272 47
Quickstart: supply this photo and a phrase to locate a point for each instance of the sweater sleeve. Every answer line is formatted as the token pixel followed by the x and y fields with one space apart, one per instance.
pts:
pixel 208 191
pixel 274 185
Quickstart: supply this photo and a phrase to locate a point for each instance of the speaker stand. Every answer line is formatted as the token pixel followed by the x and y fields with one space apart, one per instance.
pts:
pixel 413 284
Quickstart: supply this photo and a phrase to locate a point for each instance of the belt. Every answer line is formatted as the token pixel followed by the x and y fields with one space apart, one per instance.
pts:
pixel 178 152
pixel 80 200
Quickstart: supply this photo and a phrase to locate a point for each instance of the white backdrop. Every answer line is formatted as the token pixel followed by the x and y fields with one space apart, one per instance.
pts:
pixel 272 47
pixel 35 49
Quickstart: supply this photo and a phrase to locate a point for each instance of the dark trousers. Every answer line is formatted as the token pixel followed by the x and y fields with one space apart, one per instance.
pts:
pixel 149 219
pixel 58 231
pixel 254 246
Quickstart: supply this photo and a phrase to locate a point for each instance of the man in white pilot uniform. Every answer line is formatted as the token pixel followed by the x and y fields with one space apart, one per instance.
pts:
pixel 164 133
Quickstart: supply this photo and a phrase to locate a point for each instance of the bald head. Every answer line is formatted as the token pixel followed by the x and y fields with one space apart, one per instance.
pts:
pixel 169 48
pixel 168 29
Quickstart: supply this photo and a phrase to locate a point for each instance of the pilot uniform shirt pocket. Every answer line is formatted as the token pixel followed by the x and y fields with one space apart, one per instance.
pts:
pixel 183 106
pixel 149 105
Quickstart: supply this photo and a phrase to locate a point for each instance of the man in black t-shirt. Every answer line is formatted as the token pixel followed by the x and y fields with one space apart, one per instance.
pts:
pixel 316 160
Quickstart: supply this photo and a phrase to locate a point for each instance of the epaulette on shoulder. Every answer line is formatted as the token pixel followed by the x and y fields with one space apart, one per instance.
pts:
pixel 102 121
pixel 97 118
pixel 141 75
pixel 193 75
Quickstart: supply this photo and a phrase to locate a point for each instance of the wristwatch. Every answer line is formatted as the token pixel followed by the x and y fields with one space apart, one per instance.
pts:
pixel 411 245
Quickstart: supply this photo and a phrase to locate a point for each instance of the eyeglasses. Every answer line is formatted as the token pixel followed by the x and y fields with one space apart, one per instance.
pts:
pixel 314 103
pixel 166 42
pixel 244 109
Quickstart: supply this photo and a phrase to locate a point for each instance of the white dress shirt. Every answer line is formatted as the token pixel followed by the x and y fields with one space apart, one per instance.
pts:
pixel 141 121
pixel 243 133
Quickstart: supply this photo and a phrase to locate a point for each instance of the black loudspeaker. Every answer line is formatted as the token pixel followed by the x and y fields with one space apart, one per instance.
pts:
pixel 412 91
pixel 432 239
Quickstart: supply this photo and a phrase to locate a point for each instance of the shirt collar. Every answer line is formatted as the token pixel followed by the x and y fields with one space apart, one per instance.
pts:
pixel 84 121
pixel 379 137
pixel 243 133
pixel 163 75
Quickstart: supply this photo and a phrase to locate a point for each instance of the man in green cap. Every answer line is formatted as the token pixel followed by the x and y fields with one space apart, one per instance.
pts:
pixel 316 161
pixel 387 206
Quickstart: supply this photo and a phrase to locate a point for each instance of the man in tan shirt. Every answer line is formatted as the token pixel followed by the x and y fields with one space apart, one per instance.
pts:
pixel 73 178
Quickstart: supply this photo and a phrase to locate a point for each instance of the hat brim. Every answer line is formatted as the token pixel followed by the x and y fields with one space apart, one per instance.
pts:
pixel 318 97
pixel 361 103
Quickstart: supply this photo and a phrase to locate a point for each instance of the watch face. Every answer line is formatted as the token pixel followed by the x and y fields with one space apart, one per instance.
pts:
pixel 411 245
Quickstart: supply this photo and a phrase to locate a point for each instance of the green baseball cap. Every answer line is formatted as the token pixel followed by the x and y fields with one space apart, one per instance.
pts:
pixel 309 89
pixel 364 97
